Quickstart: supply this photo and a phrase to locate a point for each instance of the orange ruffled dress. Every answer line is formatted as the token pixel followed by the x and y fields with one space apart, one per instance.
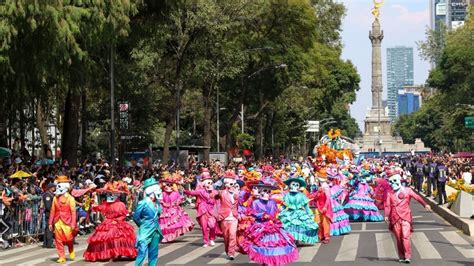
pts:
pixel 114 237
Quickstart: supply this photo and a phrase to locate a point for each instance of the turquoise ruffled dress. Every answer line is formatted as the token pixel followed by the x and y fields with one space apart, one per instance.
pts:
pixel 297 218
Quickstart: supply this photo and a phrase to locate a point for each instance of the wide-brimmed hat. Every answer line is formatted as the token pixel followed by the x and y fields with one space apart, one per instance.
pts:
pixel 298 179
pixel 267 181
pixel 62 179
pixel 149 182
pixel 230 174
pixel 205 176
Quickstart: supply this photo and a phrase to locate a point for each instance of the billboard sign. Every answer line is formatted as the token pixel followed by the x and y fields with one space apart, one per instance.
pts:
pixel 441 9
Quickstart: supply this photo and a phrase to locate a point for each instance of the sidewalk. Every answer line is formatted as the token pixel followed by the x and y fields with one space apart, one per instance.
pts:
pixel 466 225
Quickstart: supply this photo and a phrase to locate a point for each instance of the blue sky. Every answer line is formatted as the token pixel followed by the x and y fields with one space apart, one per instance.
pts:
pixel 404 22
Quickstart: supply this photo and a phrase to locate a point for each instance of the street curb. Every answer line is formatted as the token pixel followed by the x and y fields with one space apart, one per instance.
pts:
pixel 466 225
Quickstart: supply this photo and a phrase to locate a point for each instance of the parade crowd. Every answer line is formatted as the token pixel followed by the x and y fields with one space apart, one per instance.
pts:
pixel 264 209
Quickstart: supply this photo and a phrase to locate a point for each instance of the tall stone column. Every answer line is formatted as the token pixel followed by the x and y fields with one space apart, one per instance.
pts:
pixel 376 36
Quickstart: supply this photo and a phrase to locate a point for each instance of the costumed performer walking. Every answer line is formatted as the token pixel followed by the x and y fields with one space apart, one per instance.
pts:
pixel 174 221
pixel 265 241
pixel 205 202
pixel 62 219
pixel 398 215
pixel 146 217
pixel 295 215
pixel 114 237
pixel 228 214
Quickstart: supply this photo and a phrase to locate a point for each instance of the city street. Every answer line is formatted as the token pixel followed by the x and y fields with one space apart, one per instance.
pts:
pixel 434 242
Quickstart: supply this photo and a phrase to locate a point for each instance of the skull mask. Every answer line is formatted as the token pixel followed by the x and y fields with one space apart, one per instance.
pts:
pixel 264 193
pixel 62 188
pixel 255 192
pixel 208 184
pixel 154 192
pixel 168 187
pixel 111 197
pixel 229 183
pixel 294 186
pixel 395 182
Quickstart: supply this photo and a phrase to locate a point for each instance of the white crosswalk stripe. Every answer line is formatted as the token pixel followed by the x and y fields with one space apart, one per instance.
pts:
pixel 425 248
pixel 198 252
pixel 222 259
pixel 459 243
pixel 15 250
pixel 348 249
pixel 307 254
pixel 168 248
pixel 23 255
pixel 385 246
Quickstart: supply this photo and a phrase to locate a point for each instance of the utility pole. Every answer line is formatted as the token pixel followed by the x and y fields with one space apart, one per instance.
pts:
pixel 218 121
pixel 242 118
pixel 112 104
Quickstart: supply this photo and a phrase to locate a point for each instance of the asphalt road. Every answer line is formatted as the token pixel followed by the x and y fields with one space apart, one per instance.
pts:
pixel 434 242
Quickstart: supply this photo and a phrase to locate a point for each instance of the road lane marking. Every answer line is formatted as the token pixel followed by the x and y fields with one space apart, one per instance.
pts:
pixel 222 259
pixel 52 259
pixel 168 248
pixel 385 246
pixel 348 249
pixel 20 249
pixel 198 252
pixel 307 253
pixel 418 216
pixel 424 246
pixel 459 243
pixel 364 227
pixel 25 255
pixel 385 230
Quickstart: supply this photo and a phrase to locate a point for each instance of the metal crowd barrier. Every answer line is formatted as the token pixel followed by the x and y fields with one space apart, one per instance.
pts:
pixel 24 221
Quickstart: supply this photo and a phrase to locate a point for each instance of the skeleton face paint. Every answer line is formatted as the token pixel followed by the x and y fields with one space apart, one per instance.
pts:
pixel 229 183
pixel 265 193
pixel 154 192
pixel 168 187
pixel 62 188
pixel 255 192
pixel 395 182
pixel 111 197
pixel 208 184
pixel 294 186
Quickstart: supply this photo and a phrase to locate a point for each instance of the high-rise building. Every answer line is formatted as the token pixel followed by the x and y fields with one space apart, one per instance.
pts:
pixel 399 74
pixel 409 99
pixel 451 13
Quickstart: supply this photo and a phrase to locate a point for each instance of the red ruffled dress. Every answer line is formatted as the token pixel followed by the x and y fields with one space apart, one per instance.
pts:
pixel 114 237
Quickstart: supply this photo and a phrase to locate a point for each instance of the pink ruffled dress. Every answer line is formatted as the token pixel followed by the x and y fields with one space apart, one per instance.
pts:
pixel 174 221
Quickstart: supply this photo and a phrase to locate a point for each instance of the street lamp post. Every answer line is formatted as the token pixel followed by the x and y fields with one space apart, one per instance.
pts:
pixel 112 104
pixel 218 121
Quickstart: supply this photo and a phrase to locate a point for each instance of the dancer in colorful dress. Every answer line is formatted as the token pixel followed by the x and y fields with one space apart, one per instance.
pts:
pixel 324 212
pixel 398 215
pixel 62 219
pixel 114 237
pixel 296 216
pixel 205 202
pixel 174 221
pixel 146 217
pixel 265 241
pixel 340 222
pixel 361 206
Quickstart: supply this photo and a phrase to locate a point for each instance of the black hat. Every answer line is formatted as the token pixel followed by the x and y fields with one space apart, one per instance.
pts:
pixel 50 185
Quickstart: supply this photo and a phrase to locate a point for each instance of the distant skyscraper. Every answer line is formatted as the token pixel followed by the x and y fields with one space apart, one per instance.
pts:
pixel 409 99
pixel 399 74
pixel 451 13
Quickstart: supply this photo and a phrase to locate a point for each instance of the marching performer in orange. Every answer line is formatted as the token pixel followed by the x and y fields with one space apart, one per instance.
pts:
pixel 62 219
